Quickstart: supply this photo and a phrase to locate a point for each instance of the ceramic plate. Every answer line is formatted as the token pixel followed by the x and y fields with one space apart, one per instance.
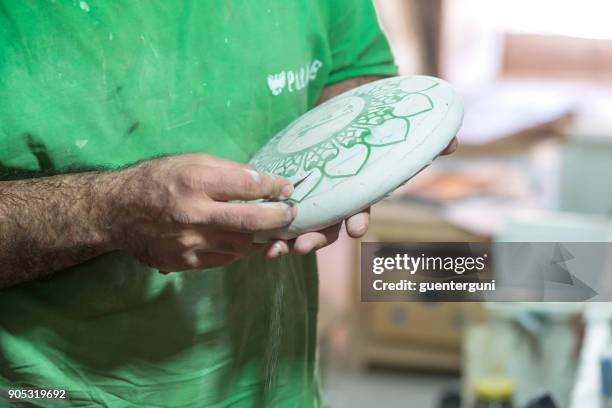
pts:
pixel 356 148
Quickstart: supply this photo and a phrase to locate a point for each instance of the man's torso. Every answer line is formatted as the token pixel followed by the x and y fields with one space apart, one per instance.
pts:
pixel 110 83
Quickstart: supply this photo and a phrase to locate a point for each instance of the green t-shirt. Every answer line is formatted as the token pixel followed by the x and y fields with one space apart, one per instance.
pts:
pixel 108 83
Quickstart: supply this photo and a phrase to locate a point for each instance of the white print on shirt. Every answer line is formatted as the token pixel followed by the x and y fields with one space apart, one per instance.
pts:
pixel 294 80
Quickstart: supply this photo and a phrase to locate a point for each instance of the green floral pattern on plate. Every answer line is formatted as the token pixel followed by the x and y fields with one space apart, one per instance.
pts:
pixel 335 140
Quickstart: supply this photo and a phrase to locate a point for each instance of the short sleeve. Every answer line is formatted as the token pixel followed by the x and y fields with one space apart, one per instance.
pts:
pixel 358 45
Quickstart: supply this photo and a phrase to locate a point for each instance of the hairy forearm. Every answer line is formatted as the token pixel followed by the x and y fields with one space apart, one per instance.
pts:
pixel 51 223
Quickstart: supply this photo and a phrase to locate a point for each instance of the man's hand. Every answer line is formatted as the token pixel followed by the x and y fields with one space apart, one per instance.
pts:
pixel 176 215
pixel 172 213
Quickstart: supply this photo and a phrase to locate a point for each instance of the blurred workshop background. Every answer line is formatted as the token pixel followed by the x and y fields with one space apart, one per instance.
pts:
pixel 534 164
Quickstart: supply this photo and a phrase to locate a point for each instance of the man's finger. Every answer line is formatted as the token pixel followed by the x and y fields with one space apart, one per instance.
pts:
pixel 202 260
pixel 357 225
pixel 230 242
pixel 311 241
pixel 224 184
pixel 452 146
pixel 195 259
pixel 248 217
pixel 277 249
